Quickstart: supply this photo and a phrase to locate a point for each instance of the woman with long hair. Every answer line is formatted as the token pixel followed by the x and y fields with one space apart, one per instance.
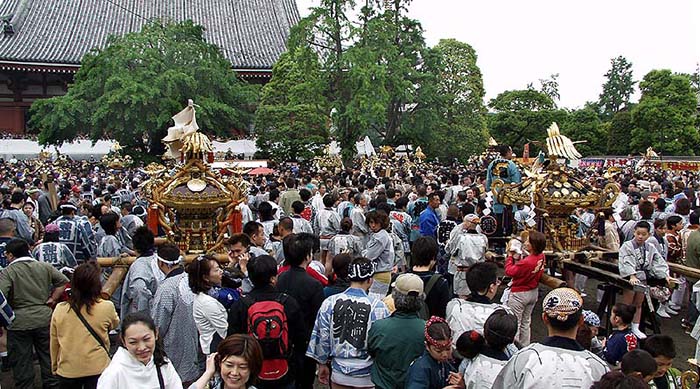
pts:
pixel 140 362
pixel 235 364
pixel 80 331
pixel 209 315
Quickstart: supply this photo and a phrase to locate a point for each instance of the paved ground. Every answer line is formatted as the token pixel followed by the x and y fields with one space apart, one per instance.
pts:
pixel 685 345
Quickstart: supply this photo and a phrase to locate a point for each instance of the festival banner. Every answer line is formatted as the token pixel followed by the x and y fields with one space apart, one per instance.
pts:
pixel 693 166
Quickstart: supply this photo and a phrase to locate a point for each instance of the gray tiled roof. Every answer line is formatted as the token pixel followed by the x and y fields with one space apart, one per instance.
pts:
pixel 251 33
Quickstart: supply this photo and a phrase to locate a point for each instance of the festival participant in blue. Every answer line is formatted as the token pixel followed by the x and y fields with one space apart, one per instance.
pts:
pixel 433 370
pixel 429 218
pixel 341 328
pixel 504 169
pixel 172 314
pixel 415 208
pixel 76 233
pixel 54 252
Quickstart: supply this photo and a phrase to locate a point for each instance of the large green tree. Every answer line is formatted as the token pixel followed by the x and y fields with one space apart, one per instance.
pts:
pixel 129 90
pixel 373 68
pixel 398 42
pixel 585 125
pixel 292 119
pixel 460 130
pixel 329 31
pixel 520 116
pixel 617 89
pixel 619 132
pixel 665 116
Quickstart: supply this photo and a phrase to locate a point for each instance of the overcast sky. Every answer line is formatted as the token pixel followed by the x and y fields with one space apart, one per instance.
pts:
pixel 522 41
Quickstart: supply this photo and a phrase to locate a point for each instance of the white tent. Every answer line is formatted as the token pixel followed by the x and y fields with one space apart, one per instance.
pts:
pixel 243 146
pixel 28 149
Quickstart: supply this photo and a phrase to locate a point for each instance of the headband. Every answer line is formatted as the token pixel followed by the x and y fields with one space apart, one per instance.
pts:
pixel 178 261
pixel 434 342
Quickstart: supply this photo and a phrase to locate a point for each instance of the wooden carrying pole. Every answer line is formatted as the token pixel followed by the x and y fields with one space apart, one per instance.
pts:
pixel 120 266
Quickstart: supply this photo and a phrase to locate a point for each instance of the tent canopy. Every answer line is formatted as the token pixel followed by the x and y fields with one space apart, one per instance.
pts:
pixel 79 150
pixel 243 146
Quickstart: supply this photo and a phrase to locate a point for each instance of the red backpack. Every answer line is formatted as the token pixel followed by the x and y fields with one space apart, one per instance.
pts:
pixel 267 322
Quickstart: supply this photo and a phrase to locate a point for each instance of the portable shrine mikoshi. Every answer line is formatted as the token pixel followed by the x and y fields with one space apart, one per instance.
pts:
pixel 388 162
pixel 554 192
pixel 192 204
pixel 329 161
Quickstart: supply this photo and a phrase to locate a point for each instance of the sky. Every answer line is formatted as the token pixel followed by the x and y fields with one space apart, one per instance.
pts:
pixel 518 42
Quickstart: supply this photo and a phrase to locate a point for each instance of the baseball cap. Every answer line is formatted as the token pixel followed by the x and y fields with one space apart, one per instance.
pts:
pixel 408 283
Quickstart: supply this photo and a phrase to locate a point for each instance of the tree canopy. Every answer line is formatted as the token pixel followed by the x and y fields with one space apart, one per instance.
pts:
pixel 520 116
pixel 666 113
pixel 129 90
pixel 618 87
pixel 459 130
pixel 293 116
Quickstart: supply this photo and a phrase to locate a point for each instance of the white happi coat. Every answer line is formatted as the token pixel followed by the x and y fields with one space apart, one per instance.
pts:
pixel 538 366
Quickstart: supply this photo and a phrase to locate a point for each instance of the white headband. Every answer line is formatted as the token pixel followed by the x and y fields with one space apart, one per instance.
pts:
pixel 178 261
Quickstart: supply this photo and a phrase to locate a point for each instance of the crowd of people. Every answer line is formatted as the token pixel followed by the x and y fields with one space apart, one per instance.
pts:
pixel 352 279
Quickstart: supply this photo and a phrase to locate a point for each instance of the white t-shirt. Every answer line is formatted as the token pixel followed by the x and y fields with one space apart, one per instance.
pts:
pixel 210 318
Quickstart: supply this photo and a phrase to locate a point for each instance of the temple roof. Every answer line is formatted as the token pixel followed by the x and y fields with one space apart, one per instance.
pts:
pixel 251 33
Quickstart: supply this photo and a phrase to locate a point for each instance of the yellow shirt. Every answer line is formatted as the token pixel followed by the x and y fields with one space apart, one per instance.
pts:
pixel 71 343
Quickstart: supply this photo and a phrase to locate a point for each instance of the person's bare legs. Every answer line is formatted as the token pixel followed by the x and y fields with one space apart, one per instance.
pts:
pixel 631 297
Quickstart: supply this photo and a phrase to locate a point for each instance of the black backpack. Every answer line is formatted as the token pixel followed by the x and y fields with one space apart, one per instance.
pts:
pixel 424 312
